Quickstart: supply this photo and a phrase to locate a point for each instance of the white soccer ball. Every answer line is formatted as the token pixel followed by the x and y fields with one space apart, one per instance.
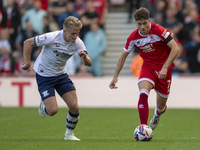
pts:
pixel 143 133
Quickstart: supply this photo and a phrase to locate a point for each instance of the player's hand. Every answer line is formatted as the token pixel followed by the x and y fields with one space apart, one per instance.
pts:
pixel 25 66
pixel 113 83
pixel 163 73
pixel 82 54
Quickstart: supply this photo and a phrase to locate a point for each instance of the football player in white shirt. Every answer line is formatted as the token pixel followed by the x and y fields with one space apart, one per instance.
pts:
pixel 50 68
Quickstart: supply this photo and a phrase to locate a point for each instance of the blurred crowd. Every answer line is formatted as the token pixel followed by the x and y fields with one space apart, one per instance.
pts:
pixel 22 19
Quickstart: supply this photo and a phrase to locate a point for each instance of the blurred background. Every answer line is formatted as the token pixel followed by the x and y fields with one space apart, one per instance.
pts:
pixel 106 26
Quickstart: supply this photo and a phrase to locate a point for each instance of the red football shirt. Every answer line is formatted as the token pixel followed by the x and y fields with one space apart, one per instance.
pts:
pixel 152 47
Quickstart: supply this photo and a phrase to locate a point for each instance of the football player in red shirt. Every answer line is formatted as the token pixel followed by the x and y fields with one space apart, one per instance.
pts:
pixel 158 50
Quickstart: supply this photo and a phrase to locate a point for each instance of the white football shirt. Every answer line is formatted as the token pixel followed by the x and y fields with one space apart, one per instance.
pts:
pixel 55 52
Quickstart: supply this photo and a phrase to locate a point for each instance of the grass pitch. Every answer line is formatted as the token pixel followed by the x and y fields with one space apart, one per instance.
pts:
pixel 98 129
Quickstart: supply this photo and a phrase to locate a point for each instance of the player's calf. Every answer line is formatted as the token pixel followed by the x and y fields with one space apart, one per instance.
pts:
pixel 143 107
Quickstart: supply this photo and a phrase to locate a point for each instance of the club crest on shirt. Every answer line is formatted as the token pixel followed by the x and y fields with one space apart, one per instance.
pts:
pixel 71 48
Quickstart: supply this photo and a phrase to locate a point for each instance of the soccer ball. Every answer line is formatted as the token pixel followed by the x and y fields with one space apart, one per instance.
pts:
pixel 143 133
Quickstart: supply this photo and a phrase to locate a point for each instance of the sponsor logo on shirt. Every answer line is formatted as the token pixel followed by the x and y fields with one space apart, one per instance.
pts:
pixel 62 55
pixel 41 38
pixel 147 48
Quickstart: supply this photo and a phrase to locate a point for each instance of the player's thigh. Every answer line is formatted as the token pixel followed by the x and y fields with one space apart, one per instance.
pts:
pixel 145 85
pixel 51 105
pixel 161 102
pixel 146 79
pixel 71 100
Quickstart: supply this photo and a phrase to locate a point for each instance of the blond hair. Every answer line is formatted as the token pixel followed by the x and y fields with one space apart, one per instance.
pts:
pixel 72 22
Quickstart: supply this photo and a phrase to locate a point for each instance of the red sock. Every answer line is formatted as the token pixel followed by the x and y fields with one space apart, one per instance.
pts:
pixel 143 107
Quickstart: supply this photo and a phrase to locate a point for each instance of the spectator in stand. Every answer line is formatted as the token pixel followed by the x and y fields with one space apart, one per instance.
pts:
pixel 5 51
pixel 171 22
pixel 198 56
pixel 188 5
pixel 192 48
pixel 3 14
pixel 132 4
pixel 178 6
pixel 181 63
pixel 150 5
pixel 101 6
pixel 191 20
pixel 57 8
pixel 1 18
pixel 18 70
pixel 28 4
pixel 13 21
pixel 159 13
pixel 198 4
pixel 89 17
pixel 46 23
pixel 5 63
pixel 44 4
pixel 69 11
pixel 95 42
pixel 80 7
pixel 35 16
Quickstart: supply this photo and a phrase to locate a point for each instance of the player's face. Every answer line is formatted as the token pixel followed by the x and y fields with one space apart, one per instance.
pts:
pixel 70 35
pixel 144 26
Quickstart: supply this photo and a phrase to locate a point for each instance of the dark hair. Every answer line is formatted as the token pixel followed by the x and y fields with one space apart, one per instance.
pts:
pixel 141 13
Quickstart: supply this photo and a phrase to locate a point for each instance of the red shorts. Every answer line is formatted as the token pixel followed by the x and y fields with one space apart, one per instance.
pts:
pixel 162 86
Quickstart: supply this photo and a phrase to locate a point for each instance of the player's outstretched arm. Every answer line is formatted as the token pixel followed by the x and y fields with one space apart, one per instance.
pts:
pixel 85 57
pixel 119 67
pixel 27 53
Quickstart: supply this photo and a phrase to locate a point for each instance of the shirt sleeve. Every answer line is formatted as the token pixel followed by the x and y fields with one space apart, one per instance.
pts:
pixel 129 45
pixel 163 33
pixel 44 39
pixel 80 45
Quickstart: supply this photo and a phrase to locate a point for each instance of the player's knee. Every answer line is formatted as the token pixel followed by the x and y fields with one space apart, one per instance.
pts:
pixel 74 109
pixel 52 111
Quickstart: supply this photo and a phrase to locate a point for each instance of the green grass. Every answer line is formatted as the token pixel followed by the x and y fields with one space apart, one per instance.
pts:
pixel 98 129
